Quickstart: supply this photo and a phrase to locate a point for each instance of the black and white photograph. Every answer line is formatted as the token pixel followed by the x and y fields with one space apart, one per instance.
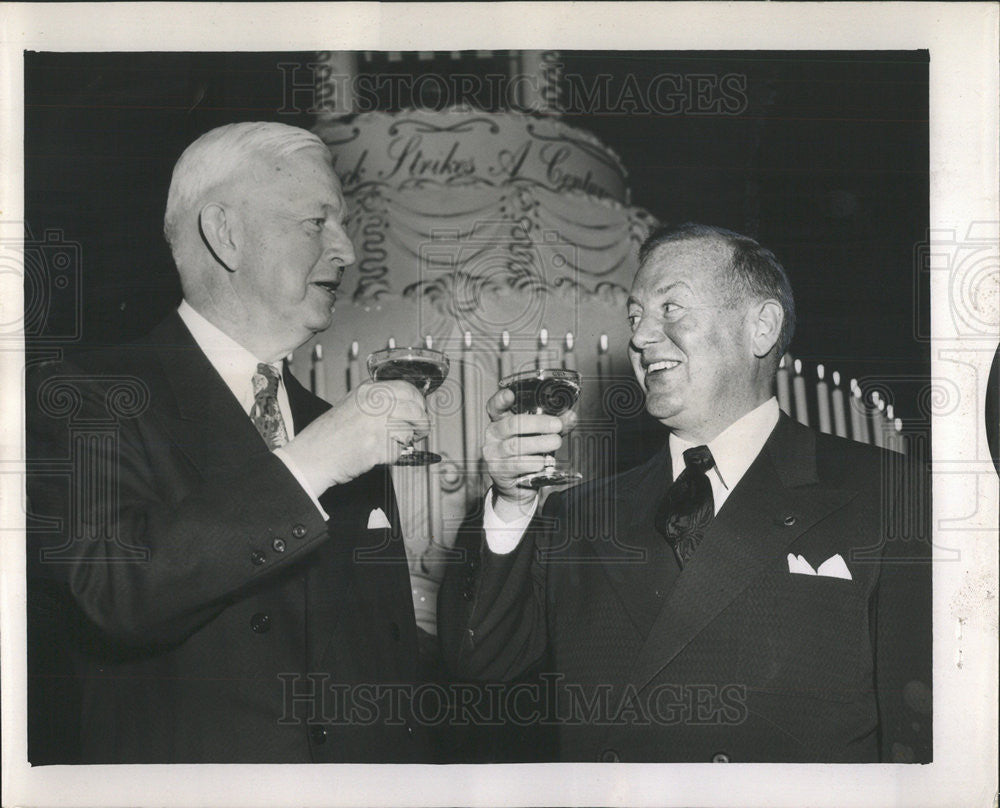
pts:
pixel 387 399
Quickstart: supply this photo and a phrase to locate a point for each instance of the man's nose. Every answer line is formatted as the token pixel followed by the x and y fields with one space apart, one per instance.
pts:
pixel 646 333
pixel 339 248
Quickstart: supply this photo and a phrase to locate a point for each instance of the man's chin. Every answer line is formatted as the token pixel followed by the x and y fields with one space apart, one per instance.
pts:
pixel 320 321
pixel 664 408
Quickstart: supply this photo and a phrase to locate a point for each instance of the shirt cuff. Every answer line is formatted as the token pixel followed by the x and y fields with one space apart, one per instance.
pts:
pixel 503 537
pixel 287 460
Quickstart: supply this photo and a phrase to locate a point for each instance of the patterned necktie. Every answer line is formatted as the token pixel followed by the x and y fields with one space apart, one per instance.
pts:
pixel 265 413
pixel 688 505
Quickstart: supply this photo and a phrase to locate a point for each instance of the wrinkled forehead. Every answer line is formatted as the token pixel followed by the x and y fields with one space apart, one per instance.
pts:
pixel 306 170
pixel 699 264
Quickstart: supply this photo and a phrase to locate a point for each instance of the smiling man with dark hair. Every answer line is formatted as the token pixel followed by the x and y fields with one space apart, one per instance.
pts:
pixel 754 600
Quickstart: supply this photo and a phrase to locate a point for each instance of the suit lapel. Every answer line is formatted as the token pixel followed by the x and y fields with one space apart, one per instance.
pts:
pixel 208 424
pixel 637 563
pixel 777 500
pixel 306 407
pixel 330 583
pixel 206 420
pixel 338 581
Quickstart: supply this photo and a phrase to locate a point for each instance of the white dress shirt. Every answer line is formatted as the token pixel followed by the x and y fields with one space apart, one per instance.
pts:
pixel 734 450
pixel 237 367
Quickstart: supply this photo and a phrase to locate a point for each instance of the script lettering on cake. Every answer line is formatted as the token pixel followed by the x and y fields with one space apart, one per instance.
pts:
pixel 511 161
pixel 553 157
pixel 354 175
pixel 409 158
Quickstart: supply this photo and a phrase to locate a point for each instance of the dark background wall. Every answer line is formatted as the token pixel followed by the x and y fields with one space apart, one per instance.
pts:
pixel 824 161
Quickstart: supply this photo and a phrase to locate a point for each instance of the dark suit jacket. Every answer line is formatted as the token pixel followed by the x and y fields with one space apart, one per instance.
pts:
pixel 734 658
pixel 211 613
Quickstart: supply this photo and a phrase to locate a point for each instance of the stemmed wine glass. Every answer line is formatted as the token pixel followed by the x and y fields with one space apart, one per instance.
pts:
pixel 424 368
pixel 548 391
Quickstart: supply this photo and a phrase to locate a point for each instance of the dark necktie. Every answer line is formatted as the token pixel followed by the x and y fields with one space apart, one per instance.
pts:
pixel 265 413
pixel 688 505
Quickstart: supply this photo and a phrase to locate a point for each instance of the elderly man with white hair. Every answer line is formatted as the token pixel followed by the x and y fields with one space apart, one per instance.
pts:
pixel 228 565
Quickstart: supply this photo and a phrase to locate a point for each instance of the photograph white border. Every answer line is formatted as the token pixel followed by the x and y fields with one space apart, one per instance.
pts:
pixel 962 40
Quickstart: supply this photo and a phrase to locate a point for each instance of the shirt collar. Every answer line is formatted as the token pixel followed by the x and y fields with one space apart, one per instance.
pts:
pixel 234 363
pixel 736 447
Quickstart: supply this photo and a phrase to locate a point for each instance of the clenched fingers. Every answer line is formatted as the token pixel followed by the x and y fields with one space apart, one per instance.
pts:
pixel 521 446
pixel 525 425
pixel 499 403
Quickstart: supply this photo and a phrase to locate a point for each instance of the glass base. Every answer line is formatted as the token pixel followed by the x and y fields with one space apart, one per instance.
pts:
pixel 417 458
pixel 548 476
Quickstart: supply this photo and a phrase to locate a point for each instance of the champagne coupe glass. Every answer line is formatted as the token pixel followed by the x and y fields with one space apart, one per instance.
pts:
pixel 548 391
pixel 424 368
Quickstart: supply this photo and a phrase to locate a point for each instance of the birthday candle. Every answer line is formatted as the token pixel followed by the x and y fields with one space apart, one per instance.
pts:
pixel 433 476
pixel 505 360
pixel 391 343
pixel 784 394
pixel 859 415
pixel 569 358
pixel 900 443
pixel 602 365
pixel 318 372
pixel 839 421
pixel 799 391
pixel 873 417
pixel 823 401
pixel 878 421
pixel 353 367
pixel 470 404
pixel 863 431
pixel 542 357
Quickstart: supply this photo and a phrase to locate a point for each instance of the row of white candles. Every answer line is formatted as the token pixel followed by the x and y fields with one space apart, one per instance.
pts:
pixel 546 357
pixel 473 398
pixel 876 424
pixel 836 407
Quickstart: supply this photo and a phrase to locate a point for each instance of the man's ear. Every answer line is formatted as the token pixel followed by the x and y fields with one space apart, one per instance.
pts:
pixel 216 226
pixel 769 317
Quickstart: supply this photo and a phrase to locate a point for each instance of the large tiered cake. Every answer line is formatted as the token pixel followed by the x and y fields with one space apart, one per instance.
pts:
pixel 493 236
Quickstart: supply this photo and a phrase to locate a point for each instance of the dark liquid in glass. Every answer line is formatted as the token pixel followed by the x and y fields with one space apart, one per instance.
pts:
pixel 424 375
pixel 545 395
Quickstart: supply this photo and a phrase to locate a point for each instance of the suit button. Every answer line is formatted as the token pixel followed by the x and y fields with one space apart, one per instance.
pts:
pixel 610 756
pixel 409 730
pixel 788 521
pixel 299 531
pixel 257 558
pixel 468 594
pixel 260 623
pixel 473 564
pixel 317 734
pixel 720 757
pixel 394 630
pixel 278 545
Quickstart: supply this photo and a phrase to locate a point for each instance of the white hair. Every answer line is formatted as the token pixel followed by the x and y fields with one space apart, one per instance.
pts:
pixel 218 156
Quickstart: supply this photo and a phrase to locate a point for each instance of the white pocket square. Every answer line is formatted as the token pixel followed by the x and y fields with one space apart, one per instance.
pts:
pixel 833 567
pixel 377 519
